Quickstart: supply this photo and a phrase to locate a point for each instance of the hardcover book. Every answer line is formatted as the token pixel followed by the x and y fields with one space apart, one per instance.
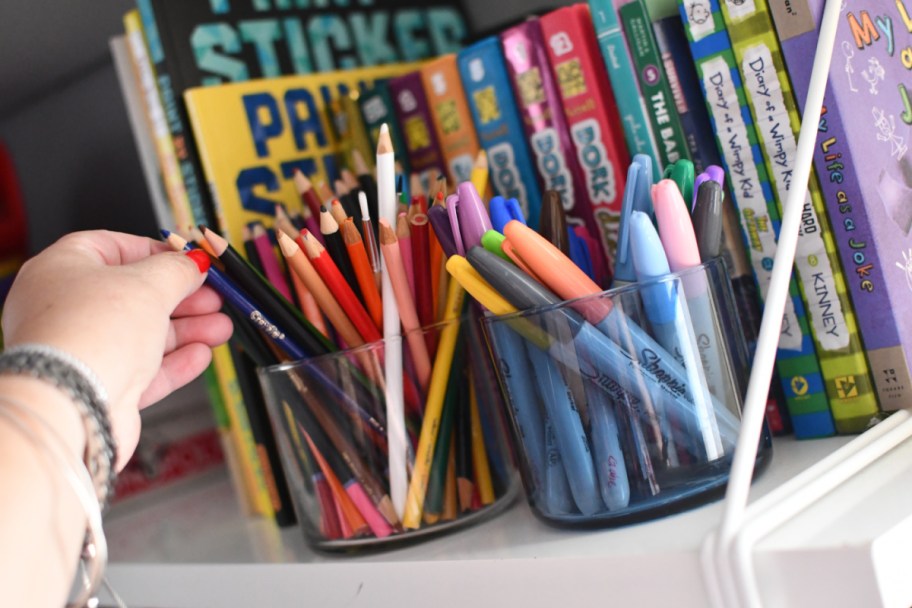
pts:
pixel 619 65
pixel 253 136
pixel 414 117
pixel 591 114
pixel 845 370
pixel 207 42
pixel 451 117
pixel 543 119
pixel 499 127
pixel 865 245
pixel 796 358
pixel 376 107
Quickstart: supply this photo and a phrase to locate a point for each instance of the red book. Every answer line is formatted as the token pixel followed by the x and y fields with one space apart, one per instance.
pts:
pixel 591 113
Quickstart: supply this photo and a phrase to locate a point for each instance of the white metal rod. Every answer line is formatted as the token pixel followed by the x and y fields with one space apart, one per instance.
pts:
pixel 718 573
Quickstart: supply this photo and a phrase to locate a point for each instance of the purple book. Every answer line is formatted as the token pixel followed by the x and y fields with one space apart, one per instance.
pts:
pixel 414 117
pixel 869 205
pixel 543 121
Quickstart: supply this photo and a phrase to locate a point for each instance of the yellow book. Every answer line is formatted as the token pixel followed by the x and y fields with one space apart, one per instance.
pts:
pixel 253 135
pixel 256 490
pixel 158 125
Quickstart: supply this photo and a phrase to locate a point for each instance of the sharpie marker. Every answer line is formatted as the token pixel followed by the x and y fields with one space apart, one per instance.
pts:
pixel 637 197
pixel 600 360
pixel 707 219
pixel 470 214
pixel 680 243
pixel 681 172
pixel 669 322
pixel 503 210
pixel 493 242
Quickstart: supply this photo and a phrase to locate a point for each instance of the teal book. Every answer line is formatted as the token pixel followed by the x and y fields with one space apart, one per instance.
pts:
pixel 376 105
pixel 846 374
pixel 654 85
pixel 720 79
pixel 619 65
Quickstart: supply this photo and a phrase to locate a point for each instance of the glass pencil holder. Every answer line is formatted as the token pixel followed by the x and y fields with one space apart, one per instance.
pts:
pixel 626 405
pixel 394 441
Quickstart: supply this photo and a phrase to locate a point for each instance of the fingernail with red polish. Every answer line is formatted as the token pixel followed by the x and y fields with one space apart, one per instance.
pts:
pixel 201 258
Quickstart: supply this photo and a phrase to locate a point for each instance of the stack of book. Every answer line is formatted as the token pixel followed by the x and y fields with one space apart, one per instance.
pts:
pixel 241 102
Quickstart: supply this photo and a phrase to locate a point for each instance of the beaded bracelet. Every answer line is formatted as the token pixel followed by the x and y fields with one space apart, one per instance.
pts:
pixel 77 380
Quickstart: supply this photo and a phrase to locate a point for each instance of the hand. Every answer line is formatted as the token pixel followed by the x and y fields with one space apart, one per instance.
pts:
pixel 129 308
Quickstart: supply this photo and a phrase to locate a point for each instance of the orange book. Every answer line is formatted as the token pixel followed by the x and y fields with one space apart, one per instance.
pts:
pixel 451 117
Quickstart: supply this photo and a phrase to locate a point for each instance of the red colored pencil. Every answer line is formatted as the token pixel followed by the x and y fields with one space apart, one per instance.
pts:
pixel 337 284
pixel 421 261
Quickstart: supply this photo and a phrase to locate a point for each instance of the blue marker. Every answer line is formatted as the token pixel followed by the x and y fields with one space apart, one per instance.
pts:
pixel 555 493
pixel 606 447
pixel 503 210
pixel 579 253
pixel 568 432
pixel 637 197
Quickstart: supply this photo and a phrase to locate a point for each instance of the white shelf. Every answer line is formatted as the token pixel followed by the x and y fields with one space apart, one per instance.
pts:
pixel 193 547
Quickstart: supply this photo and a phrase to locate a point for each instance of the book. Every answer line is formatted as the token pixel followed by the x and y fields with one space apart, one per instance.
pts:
pixel 376 107
pixel 543 120
pixel 796 358
pixel 591 114
pixel 141 128
pixel 422 148
pixel 865 247
pixel 181 215
pixel 619 65
pixel 671 40
pixel 847 378
pixel 496 117
pixel 202 42
pixel 654 86
pixel 451 117
pixel 253 135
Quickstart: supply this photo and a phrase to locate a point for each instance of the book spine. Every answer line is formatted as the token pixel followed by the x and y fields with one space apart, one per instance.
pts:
pixel 414 117
pixel 175 113
pixel 833 327
pixel 545 126
pixel 619 65
pixel 155 115
pixel 242 437
pixel 496 118
pixel 591 114
pixel 841 191
pixel 451 117
pixel 796 360
pixel 654 85
pixel 376 106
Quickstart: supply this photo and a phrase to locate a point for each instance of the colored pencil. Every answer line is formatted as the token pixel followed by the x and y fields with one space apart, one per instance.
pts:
pixel 465 479
pixel 368 185
pixel 395 415
pixel 308 303
pixel 395 267
pixel 307 193
pixel 365 275
pixel 480 461
pixel 337 210
pixel 404 237
pixel 421 260
pixel 268 260
pixel 273 303
pixel 479 175
pixel 333 244
pixel 430 424
pixel 369 235
pixel 340 288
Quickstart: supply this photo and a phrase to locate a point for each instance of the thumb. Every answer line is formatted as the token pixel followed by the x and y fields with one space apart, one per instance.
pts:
pixel 174 275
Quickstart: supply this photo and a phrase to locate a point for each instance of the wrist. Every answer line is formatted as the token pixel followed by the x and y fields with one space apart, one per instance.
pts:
pixel 53 405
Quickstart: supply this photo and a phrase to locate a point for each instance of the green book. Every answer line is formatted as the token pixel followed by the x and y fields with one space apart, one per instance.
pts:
pixel 752 194
pixel 847 378
pixel 654 86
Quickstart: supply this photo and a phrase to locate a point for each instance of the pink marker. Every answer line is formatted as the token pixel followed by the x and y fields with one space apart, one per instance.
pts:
pixel 675 226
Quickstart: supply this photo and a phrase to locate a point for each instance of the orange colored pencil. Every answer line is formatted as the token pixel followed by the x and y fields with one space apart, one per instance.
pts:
pixel 337 284
pixel 301 265
pixel 338 211
pixel 308 303
pixel 404 236
pixel 347 509
pixel 363 272
pixel 408 316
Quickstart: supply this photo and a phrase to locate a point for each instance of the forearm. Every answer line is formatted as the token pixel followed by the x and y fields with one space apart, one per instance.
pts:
pixel 42 524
